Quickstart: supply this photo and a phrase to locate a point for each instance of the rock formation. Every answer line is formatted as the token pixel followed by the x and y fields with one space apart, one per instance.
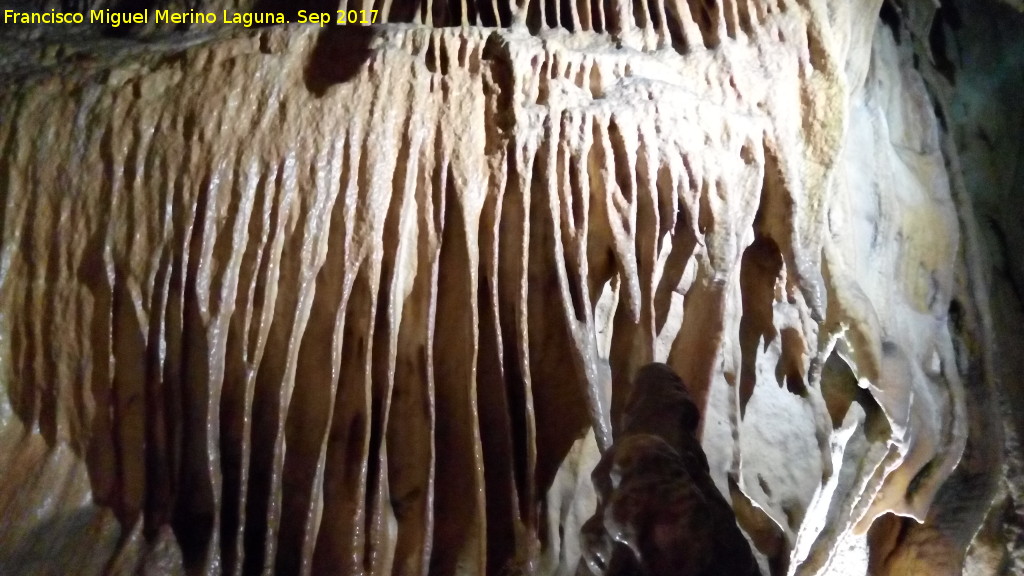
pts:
pixel 369 300
pixel 658 512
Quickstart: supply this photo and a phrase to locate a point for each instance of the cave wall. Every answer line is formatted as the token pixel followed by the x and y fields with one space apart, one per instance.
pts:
pixel 978 50
pixel 369 300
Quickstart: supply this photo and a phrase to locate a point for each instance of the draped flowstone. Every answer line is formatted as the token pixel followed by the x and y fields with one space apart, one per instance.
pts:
pixel 353 300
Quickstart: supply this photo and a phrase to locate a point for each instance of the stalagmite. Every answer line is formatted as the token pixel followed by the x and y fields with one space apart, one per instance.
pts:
pixel 370 300
pixel 658 511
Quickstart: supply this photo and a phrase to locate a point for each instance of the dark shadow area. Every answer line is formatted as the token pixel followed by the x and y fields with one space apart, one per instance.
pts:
pixel 339 54
pixel 890 16
pixel 759 272
pixel 946 20
pixel 659 512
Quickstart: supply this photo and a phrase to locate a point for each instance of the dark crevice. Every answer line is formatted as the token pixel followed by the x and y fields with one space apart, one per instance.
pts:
pixel 789 369
pixel 890 16
pixel 937 39
pixel 840 390
pixel 760 267
pixel 706 14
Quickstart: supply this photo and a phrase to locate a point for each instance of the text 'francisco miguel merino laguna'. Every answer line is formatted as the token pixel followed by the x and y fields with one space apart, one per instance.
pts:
pixel 115 19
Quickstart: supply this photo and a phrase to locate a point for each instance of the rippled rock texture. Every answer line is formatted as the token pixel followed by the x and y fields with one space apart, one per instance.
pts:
pixel 369 300
pixel 658 511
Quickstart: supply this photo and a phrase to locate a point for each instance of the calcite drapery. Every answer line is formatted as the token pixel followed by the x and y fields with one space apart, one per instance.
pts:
pixel 369 300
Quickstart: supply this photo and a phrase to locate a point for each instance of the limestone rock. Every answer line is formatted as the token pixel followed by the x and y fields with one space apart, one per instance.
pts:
pixel 369 300
pixel 658 511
